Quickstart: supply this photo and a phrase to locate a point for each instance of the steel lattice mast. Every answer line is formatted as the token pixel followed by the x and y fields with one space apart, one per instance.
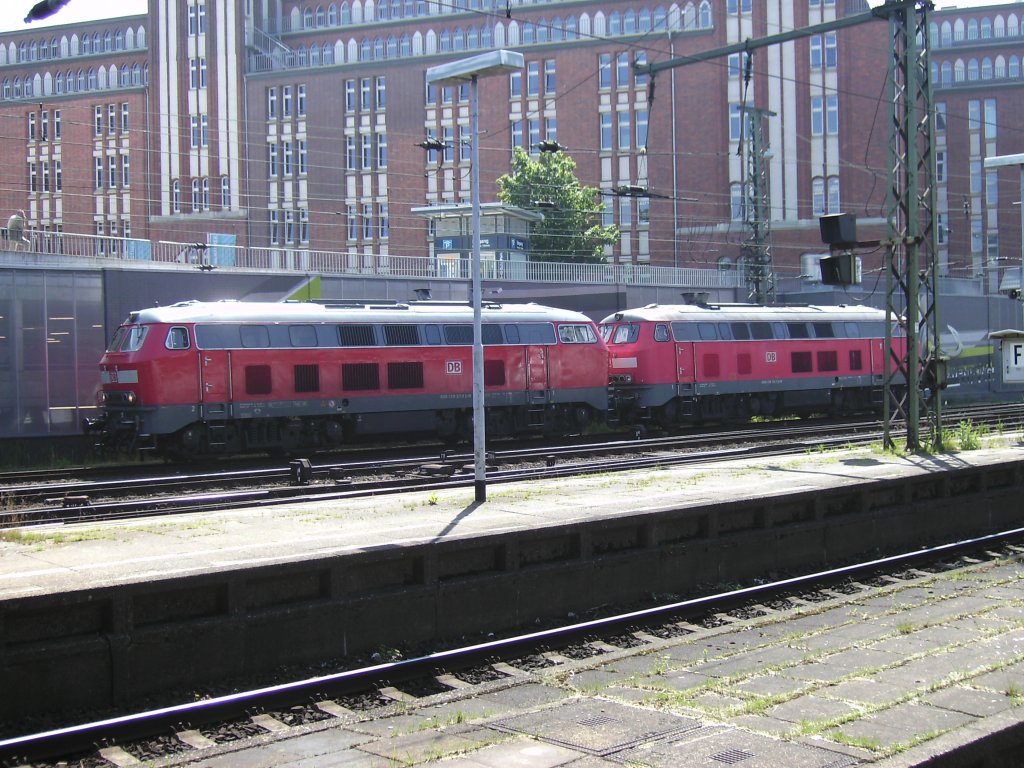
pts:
pixel 912 280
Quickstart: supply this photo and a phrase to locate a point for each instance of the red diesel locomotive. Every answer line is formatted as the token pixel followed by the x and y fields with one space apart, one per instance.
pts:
pixel 228 377
pixel 672 365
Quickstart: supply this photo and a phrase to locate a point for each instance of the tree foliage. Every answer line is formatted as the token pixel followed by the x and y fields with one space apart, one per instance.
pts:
pixel 571 230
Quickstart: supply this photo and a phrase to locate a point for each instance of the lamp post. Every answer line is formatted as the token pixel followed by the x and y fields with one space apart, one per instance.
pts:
pixel 455 73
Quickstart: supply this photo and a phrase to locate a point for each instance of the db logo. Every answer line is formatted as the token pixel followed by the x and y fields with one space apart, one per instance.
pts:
pixel 769 357
pixel 453 367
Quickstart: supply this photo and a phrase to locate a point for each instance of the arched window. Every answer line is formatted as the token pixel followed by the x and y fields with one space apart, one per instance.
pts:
pixel 986 68
pixel 96 43
pixel 378 48
pixel 528 32
pixel 445 41
pixel 176 196
pixel 459 39
pixel 314 55
pixel 392 51
pixel 472 39
pixel 307 18
pixel 817 196
pixel 225 192
pixel 119 40
pixel 959 71
pixel 986 28
pixel 833 194
pixel 972 29
pixel 999 27
pixel 136 75
pixel 71 82
pixel 629 23
pixel 332 15
pixel 1000 68
pixel 704 19
pixel 327 55
pixel 365 50
pixel 195 195
pixel 571 29
pixel 86 45
pixel 660 18
pixel 972 70
pixel 947 73
pixel 737 203
pixel 644 21
pixel 58 84
pixel 542 30
pixel 615 23
pixel 486 36
pixel 405 45
pixel 346 13
pixel 946 36
pixel 1013 67
pixel 17 88
pixel 108 42
pixel 321 16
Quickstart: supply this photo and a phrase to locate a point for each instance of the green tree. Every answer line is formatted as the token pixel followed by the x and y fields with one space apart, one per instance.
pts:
pixel 571 230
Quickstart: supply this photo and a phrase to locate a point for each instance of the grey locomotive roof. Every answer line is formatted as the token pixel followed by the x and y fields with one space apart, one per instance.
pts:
pixel 294 312
pixel 750 312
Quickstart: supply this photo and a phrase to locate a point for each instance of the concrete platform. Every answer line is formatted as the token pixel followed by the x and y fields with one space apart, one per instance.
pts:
pixel 924 672
pixel 126 610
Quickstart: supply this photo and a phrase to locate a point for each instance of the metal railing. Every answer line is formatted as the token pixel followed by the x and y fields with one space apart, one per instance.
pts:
pixel 306 260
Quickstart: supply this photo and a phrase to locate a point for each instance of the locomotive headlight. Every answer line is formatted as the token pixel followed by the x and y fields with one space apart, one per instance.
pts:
pixel 129 397
pixel 101 398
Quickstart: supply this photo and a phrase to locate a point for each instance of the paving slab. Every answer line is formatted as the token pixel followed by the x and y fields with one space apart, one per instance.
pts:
pixel 811 709
pixel 518 753
pixel 970 701
pixel 903 724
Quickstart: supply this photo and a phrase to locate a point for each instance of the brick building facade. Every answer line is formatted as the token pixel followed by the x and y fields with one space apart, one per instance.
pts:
pixel 295 125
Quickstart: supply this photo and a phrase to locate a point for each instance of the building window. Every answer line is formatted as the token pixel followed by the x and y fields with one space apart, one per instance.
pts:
pixel 194 120
pixel 286 158
pixel 97 121
pixel 382 94
pixel 112 172
pixel 32 177
pixel 353 222
pixel 351 160
pixel 833 194
pixel 98 167
pixel 286 101
pixel 111 119
pixel 350 95
pixel 31 126
pixel 383 222
pixel 606 131
pixel 517 133
pixel 206 194
pixel 196 204
pixel 641 128
pixel 549 77
pixel 225 193
pixel 271 103
pixel 303 158
pixel 56 125
pixel 364 94
pixel 817 116
pixel 124 118
pixel 274 227
pixel 272 160
pixel 382 150
pixel 303 225
pixel 832 114
pixel 176 196
pixel 301 100
pixel 515 84
pixel 367 221
pixel 990 118
pixel 623 129
pixel 289 226
pixel 622 70
pixel 533 78
pixel 604 70
pixel 204 124
pixel 367 151
pixel 58 176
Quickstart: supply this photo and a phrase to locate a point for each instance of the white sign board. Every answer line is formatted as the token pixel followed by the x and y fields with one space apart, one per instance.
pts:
pixel 1013 361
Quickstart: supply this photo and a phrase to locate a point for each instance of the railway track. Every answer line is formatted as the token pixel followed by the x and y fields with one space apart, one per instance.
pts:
pixel 193 729
pixel 180 492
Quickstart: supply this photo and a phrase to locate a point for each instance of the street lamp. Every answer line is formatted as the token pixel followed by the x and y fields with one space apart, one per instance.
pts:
pixel 470 70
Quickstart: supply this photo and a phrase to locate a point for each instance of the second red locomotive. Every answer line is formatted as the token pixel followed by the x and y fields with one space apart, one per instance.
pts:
pixel 671 365
pixel 228 377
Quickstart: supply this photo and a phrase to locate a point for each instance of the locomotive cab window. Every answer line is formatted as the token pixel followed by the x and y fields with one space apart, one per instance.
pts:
pixel 134 338
pixel 177 338
pixel 115 343
pixel 761 331
pixel 707 331
pixel 576 334
pixel 798 330
pixel 627 333
pixel 661 332
pixel 823 331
